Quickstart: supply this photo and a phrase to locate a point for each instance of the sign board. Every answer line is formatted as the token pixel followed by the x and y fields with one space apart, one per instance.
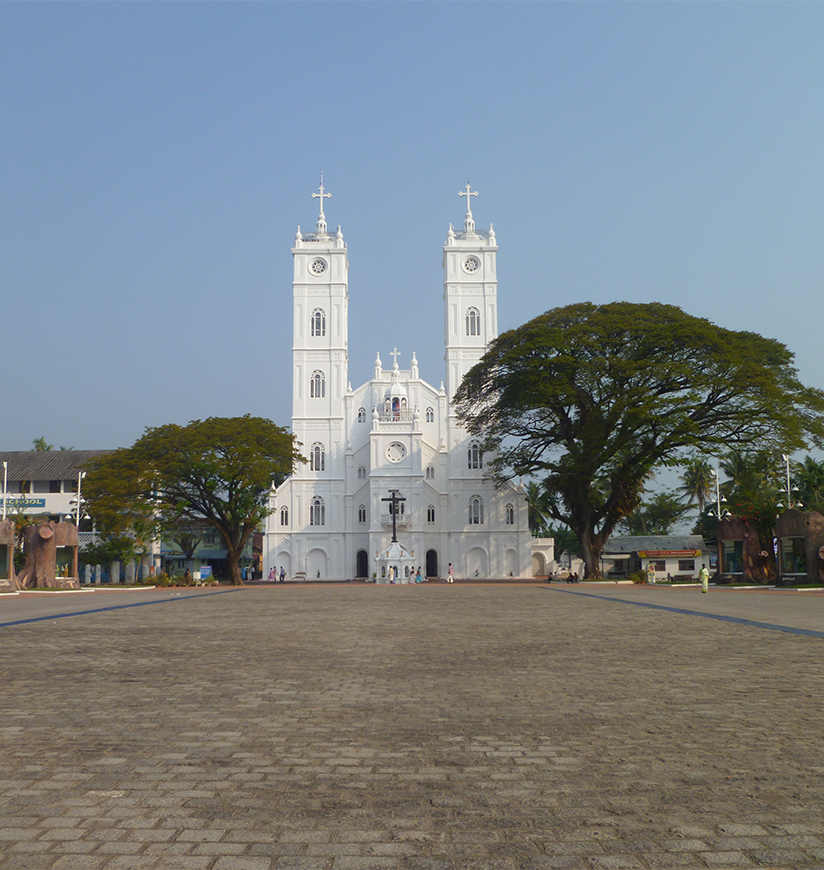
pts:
pixel 663 554
pixel 205 572
pixel 22 503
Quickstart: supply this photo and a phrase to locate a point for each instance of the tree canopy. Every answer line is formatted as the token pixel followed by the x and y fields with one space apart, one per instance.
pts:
pixel 216 471
pixel 591 398
pixel 656 514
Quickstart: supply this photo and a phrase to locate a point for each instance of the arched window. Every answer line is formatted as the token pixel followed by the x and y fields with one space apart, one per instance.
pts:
pixel 473 321
pixel 317 386
pixel 430 415
pixel 361 472
pixel 400 507
pixel 476 511
pixel 317 512
pixel 362 514
pixel 430 472
pixel 476 456
pixel 361 415
pixel 430 514
pixel 510 515
pixel 317 457
pixel 318 324
pixel 284 516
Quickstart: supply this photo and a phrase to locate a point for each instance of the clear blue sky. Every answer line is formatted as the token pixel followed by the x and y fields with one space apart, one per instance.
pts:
pixel 156 159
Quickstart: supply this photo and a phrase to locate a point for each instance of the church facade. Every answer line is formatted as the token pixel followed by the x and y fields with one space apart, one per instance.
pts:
pixel 393 482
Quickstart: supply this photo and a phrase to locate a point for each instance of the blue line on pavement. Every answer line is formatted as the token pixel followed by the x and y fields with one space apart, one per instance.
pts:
pixel 808 632
pixel 113 607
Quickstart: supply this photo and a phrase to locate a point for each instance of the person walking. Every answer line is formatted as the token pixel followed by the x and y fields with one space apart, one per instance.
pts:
pixel 704 577
pixel 282 574
pixel 450 574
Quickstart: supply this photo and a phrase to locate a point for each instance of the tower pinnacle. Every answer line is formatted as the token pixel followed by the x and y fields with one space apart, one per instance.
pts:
pixel 321 196
pixel 469 223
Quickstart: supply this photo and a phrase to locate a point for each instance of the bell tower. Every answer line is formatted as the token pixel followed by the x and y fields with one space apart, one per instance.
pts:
pixel 470 293
pixel 320 344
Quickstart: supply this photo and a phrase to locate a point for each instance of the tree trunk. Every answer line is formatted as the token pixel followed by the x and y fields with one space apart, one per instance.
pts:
pixel 234 566
pixel 591 554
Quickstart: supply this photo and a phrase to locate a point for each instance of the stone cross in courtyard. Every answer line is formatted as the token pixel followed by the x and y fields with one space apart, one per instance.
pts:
pixel 395 500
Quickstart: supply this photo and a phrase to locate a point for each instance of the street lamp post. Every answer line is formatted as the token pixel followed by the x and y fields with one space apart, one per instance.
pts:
pixel 789 489
pixel 5 485
pixel 77 502
pixel 719 515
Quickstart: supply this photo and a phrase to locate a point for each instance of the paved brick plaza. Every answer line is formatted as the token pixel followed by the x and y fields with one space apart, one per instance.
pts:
pixel 378 728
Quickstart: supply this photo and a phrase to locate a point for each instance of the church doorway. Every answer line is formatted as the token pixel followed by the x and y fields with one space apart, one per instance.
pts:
pixel 362 565
pixel 476 563
pixel 511 563
pixel 316 564
pixel 431 563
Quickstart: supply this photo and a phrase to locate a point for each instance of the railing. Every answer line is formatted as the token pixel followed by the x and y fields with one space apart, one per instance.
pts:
pixel 320 237
pixel 403 520
pixel 396 417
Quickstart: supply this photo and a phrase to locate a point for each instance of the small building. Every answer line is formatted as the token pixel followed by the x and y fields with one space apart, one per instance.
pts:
pixel 741 553
pixel 543 556
pixel 43 483
pixel 669 557
pixel 800 536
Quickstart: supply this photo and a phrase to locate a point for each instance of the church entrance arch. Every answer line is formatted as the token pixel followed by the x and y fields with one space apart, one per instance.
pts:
pixel 538 565
pixel 316 564
pixel 431 563
pixel 362 565
pixel 511 563
pixel 476 563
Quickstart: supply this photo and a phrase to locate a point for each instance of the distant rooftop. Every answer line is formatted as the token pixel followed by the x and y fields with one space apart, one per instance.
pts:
pixel 46 464
pixel 634 543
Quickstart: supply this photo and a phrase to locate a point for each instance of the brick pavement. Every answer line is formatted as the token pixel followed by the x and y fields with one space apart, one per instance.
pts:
pixel 469 727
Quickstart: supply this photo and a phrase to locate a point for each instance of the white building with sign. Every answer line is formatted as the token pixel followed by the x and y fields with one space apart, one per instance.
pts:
pixel 333 518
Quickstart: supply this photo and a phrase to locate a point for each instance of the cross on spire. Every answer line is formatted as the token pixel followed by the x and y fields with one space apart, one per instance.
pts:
pixel 467 193
pixel 395 353
pixel 321 196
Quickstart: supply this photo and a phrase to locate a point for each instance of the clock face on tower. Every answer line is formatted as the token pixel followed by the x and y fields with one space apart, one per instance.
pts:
pixel 471 264
pixel 318 266
pixel 395 452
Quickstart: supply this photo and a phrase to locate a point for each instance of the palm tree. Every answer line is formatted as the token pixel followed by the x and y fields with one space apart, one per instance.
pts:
pixel 698 481
pixel 536 499
pixel 41 445
pixel 808 476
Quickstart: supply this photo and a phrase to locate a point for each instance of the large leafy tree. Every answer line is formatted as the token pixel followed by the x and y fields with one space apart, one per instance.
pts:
pixel 216 471
pixel 591 398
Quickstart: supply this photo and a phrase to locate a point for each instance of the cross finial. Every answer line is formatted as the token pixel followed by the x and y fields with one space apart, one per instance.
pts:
pixel 395 353
pixel 467 193
pixel 321 196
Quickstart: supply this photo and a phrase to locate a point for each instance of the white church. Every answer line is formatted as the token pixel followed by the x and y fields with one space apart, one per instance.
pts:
pixel 393 482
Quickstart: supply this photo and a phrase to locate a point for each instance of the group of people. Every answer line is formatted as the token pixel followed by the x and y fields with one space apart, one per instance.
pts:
pixel 274 577
pixel 394 579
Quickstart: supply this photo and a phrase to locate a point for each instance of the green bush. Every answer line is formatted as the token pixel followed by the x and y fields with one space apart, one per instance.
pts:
pixel 638 577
